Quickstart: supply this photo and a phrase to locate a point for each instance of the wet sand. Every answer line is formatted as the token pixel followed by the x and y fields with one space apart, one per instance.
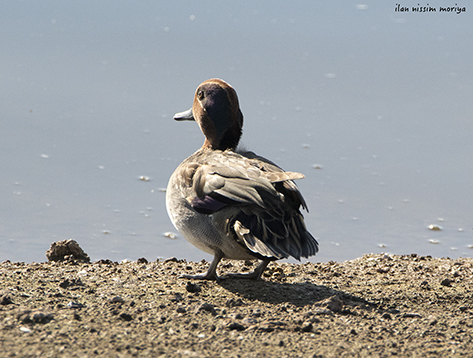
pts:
pixel 377 306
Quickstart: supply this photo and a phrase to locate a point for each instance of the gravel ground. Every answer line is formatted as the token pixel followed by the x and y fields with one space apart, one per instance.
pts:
pixel 376 305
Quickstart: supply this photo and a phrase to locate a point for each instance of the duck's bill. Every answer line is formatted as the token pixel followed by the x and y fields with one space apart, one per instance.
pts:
pixel 184 116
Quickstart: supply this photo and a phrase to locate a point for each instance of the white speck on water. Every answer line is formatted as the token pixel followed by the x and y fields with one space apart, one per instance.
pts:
pixel 305 145
pixel 101 167
pixel 361 6
pixel 460 229
pixel 316 166
pixel 166 29
pixel 434 227
pixel 433 241
pixel 192 17
pixel 144 178
pixel 382 245
pixel 44 156
pixel 170 235
pixel 105 232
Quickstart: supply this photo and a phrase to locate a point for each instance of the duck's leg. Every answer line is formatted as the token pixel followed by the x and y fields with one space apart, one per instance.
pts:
pixel 211 272
pixel 255 275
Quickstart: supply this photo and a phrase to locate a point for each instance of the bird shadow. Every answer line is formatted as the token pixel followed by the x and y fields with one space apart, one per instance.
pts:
pixel 298 294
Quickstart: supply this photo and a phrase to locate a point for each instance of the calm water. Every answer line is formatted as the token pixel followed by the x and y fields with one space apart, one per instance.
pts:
pixel 372 105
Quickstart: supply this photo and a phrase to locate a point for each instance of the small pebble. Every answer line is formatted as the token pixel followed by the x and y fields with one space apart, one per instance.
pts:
pixel 126 317
pixel 412 315
pixel 236 326
pixel 5 300
pixel 231 302
pixel 75 305
pixel 306 327
pixel 249 321
pixel 446 282
pixel 117 299
pixel 256 313
pixel 180 309
pixel 207 307
pixel 193 287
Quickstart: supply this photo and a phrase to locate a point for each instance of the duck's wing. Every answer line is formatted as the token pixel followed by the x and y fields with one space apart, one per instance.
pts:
pixel 267 219
pixel 288 187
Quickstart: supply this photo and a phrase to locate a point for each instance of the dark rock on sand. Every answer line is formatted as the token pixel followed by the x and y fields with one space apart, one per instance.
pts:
pixel 66 250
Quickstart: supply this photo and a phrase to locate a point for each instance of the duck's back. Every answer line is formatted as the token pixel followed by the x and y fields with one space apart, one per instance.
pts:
pixel 239 203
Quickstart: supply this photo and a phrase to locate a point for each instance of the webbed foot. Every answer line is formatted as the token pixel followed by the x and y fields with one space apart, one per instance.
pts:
pixel 212 271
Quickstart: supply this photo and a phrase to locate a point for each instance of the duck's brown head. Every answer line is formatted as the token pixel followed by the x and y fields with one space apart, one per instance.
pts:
pixel 217 112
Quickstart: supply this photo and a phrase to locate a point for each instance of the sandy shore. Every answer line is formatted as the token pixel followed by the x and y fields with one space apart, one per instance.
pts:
pixel 377 305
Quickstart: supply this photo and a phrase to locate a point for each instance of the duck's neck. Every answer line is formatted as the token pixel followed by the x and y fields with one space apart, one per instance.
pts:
pixel 228 141
pixel 222 145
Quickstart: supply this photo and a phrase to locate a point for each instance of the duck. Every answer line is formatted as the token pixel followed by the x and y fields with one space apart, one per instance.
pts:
pixel 230 202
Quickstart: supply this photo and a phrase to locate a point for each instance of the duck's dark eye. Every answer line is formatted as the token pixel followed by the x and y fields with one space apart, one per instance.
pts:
pixel 200 95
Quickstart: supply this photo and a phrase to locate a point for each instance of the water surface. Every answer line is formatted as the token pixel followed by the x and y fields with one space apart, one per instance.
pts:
pixel 372 105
